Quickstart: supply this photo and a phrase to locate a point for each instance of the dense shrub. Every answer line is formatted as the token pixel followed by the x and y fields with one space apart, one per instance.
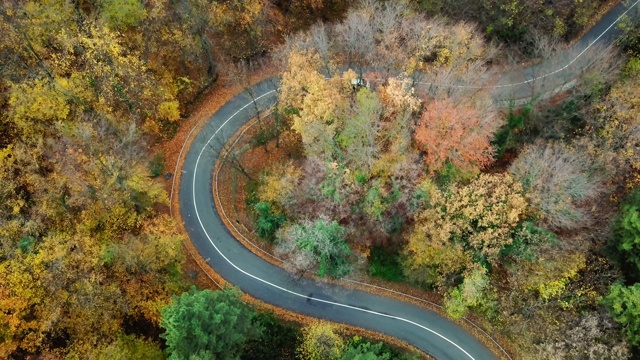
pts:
pixel 384 265
pixel 268 222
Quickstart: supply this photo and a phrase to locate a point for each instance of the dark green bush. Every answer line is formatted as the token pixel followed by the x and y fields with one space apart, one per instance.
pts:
pixel 267 222
pixel 26 244
pixel 384 265
pixel 506 138
pixel 278 341
pixel 156 165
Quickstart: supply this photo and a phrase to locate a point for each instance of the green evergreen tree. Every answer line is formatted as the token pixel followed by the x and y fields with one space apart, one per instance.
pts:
pixel 208 324
pixel 268 223
pixel 364 350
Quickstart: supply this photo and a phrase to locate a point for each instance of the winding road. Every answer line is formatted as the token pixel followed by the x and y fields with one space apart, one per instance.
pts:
pixel 426 330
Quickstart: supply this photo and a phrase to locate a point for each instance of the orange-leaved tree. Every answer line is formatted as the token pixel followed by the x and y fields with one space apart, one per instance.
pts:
pixel 457 133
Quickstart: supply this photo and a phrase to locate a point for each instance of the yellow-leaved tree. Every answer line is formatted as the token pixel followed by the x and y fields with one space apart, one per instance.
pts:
pixel 313 102
pixel 617 126
pixel 320 342
pixel 462 224
pixel 21 292
pixel 279 184
pixel 35 105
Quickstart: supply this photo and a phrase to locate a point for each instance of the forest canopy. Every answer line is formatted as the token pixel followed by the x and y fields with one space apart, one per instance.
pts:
pixel 525 217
